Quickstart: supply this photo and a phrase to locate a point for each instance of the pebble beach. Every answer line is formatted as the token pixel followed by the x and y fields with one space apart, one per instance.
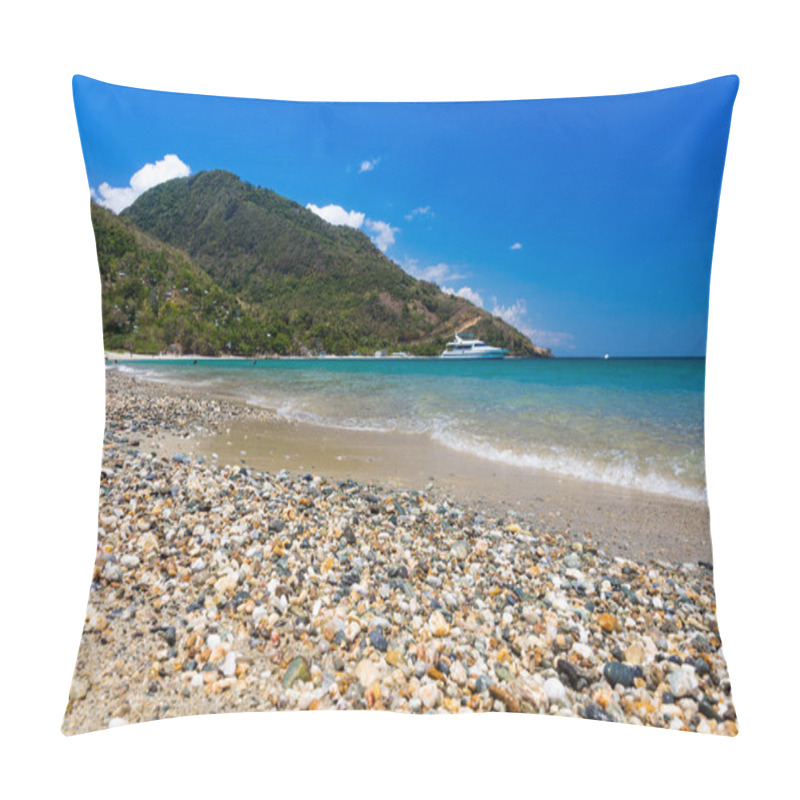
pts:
pixel 221 588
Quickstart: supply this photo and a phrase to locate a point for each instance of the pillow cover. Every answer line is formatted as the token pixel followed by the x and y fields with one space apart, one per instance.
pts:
pixel 404 407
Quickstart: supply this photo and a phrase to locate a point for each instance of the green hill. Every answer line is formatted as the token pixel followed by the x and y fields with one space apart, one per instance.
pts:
pixel 155 297
pixel 287 280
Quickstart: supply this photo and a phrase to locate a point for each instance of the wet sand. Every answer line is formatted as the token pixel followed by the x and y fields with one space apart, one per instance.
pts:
pixel 622 521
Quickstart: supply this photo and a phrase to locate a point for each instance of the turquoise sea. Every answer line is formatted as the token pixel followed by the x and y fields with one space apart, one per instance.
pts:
pixel 629 422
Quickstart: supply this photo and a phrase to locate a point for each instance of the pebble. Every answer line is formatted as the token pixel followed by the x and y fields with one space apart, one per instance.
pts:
pixel 298 670
pixel 112 572
pixel 229 667
pixel 429 695
pixel 634 654
pixel 79 689
pixel 220 587
pixel 607 622
pixel 592 711
pixel 378 640
pixel 555 691
pixel 460 549
pixel 683 682
pixel 352 630
pixel 438 624
pixel 458 673
pixel 616 673
pixel 508 700
pixel 367 672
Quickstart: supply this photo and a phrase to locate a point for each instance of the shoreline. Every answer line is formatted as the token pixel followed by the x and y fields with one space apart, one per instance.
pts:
pixel 111 356
pixel 224 588
pixel 625 521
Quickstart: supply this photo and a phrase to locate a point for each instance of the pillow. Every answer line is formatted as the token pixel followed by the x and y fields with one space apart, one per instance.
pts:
pixel 404 407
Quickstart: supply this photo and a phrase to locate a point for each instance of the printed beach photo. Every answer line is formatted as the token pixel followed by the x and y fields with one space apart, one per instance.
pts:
pixel 404 407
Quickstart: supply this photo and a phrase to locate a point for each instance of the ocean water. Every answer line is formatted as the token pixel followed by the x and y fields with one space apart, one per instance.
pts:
pixel 629 422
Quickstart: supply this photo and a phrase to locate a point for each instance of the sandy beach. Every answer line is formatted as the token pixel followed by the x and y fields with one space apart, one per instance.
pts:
pixel 622 521
pixel 245 563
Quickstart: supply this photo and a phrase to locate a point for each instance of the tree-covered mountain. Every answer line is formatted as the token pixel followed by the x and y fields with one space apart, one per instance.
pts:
pixel 154 297
pixel 211 260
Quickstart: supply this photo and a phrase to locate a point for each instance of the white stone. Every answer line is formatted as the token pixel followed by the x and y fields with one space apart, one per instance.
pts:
pixel 79 689
pixel 555 691
pixel 227 583
pixel 458 673
pixel 229 665
pixel 112 571
pixel 367 672
pixel 683 681
pixel 438 624
pixel 305 700
pixel 429 694
pixel 352 629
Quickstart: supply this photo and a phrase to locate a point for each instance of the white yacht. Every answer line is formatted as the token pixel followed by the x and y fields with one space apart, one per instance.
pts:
pixel 465 345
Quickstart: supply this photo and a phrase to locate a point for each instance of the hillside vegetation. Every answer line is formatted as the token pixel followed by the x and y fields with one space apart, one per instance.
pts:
pixel 154 297
pixel 212 265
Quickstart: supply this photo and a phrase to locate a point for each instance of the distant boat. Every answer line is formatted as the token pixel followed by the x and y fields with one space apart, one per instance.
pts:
pixel 465 345
pixel 606 356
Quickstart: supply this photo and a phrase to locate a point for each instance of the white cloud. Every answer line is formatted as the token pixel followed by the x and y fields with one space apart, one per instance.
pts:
pixel 466 293
pixel 514 314
pixel 421 211
pixel 368 166
pixel 337 215
pixel 516 246
pixel 439 274
pixel 436 273
pixel 550 338
pixel 382 233
pixel 118 198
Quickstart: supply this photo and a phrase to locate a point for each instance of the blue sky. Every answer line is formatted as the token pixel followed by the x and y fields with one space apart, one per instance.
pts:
pixel 587 223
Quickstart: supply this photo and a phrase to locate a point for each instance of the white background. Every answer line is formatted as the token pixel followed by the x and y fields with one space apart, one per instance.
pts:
pixel 53 384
